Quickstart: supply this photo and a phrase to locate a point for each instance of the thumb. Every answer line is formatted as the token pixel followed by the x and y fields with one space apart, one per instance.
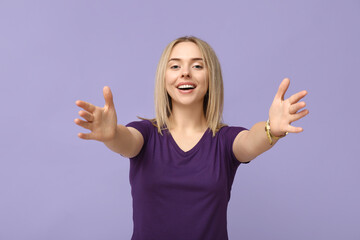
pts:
pixel 284 85
pixel 108 97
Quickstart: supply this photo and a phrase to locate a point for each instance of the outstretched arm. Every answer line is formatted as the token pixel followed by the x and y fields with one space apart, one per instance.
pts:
pixel 102 122
pixel 249 144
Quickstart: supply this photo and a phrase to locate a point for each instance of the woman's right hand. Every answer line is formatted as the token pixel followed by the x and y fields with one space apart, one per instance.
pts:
pixel 102 122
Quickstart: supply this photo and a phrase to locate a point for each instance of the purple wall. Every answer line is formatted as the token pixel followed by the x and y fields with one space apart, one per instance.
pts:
pixel 54 185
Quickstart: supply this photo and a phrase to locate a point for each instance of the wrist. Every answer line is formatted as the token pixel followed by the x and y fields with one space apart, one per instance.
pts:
pixel 269 134
pixel 112 137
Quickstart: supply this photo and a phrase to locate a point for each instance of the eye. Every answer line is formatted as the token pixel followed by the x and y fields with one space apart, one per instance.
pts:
pixel 174 67
pixel 198 67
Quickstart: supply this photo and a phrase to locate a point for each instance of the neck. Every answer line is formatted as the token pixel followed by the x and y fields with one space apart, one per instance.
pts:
pixel 188 119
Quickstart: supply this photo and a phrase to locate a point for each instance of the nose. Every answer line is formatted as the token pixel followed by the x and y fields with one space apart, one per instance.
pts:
pixel 185 73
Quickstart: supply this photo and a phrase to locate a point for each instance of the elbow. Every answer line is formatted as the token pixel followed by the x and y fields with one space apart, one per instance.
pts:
pixel 246 158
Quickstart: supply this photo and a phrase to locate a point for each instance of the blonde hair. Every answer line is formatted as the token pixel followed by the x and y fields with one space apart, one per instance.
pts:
pixel 214 98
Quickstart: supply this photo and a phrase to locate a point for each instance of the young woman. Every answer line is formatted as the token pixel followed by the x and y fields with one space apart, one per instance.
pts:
pixel 183 162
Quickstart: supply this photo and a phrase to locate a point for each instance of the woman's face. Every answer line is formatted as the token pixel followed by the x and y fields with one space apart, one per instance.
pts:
pixel 186 76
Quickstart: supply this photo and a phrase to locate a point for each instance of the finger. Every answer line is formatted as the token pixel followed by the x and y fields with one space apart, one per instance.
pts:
pixel 296 107
pixel 83 124
pixel 297 96
pixel 299 115
pixel 85 105
pixel 292 129
pixel 108 97
pixel 86 136
pixel 86 115
pixel 284 85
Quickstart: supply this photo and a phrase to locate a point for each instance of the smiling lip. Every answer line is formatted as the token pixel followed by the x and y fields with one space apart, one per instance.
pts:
pixel 186 91
pixel 186 83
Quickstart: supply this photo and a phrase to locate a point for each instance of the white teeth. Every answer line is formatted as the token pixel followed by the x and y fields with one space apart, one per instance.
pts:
pixel 186 86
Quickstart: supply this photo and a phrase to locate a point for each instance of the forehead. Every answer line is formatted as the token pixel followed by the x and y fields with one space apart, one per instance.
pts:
pixel 185 50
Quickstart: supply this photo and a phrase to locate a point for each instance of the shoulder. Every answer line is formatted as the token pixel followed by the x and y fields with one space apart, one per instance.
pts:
pixel 230 132
pixel 226 136
pixel 144 126
pixel 138 123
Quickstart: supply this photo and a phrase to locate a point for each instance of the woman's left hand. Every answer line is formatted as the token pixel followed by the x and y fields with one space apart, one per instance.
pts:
pixel 283 112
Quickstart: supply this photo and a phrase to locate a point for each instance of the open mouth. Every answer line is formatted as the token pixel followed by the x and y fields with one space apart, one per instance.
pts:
pixel 186 87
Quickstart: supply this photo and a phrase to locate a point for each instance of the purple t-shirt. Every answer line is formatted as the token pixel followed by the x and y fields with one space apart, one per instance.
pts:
pixel 181 195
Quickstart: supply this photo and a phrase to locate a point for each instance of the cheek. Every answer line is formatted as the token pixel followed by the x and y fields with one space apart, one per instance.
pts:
pixel 204 79
pixel 168 81
pixel 170 78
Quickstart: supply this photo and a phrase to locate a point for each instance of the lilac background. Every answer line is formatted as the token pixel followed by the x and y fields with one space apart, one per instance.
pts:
pixel 54 185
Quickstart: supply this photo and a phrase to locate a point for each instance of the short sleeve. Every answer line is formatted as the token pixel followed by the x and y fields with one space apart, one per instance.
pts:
pixel 142 126
pixel 145 127
pixel 230 134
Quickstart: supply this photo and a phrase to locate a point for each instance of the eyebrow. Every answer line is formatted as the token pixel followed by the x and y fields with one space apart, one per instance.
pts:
pixel 192 59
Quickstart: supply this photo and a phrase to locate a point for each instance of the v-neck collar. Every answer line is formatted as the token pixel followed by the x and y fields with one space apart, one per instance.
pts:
pixel 193 149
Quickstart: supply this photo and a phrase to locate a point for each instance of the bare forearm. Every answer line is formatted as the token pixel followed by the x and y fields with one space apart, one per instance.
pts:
pixel 257 139
pixel 250 144
pixel 122 142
